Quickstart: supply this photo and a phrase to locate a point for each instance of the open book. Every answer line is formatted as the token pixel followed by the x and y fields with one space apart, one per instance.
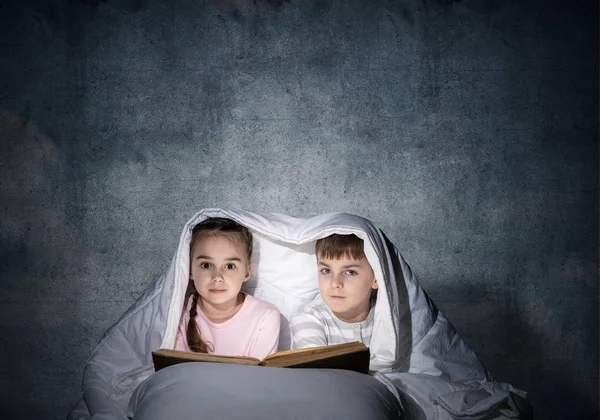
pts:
pixel 350 356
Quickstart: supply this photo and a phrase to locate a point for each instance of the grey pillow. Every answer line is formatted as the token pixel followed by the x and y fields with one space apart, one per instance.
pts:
pixel 221 391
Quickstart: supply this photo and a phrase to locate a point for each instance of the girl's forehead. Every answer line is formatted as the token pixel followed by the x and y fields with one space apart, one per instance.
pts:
pixel 218 239
pixel 217 243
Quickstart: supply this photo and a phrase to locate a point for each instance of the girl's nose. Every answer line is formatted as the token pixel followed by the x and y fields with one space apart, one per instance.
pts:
pixel 218 277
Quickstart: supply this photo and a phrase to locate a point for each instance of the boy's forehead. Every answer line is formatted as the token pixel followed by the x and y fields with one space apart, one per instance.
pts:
pixel 345 259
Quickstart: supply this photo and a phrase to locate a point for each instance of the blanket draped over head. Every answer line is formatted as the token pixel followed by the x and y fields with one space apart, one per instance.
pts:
pixel 415 351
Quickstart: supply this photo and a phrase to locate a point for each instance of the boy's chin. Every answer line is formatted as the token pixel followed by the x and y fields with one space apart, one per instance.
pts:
pixel 337 305
pixel 344 311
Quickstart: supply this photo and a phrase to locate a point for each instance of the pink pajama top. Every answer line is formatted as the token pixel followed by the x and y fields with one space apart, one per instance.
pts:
pixel 253 331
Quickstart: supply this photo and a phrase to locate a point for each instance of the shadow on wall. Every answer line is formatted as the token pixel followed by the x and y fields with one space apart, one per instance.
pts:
pixel 45 277
pixel 533 342
pixel 44 216
pixel 34 229
pixel 519 347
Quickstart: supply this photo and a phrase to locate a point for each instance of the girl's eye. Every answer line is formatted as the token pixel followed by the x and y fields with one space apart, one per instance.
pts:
pixel 205 265
pixel 230 266
pixel 351 273
pixel 325 271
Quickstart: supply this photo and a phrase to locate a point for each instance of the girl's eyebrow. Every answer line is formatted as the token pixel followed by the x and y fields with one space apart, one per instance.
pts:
pixel 206 257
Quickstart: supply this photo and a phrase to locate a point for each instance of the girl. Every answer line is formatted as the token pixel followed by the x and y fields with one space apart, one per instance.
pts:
pixel 218 317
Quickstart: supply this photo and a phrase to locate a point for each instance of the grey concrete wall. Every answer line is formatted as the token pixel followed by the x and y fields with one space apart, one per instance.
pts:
pixel 467 130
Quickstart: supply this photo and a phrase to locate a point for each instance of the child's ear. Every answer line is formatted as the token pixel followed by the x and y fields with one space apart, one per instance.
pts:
pixel 248 273
pixel 375 285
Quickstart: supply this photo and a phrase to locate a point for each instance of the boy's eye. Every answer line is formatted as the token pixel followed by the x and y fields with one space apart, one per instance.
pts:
pixel 325 271
pixel 230 266
pixel 351 272
pixel 205 265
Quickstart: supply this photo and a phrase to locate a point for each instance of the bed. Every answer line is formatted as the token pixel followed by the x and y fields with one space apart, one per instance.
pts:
pixel 421 367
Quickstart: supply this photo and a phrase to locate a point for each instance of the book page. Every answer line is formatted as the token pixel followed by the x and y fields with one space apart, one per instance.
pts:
pixel 355 358
pixel 186 356
pixel 311 353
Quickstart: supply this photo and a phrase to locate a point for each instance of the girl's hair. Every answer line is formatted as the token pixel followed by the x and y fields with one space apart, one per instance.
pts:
pixel 195 342
pixel 217 226
pixel 339 246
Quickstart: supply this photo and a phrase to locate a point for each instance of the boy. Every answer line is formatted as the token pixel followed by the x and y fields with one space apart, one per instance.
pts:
pixel 347 284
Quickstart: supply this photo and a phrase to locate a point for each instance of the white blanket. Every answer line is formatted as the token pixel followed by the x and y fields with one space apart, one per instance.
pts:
pixel 413 347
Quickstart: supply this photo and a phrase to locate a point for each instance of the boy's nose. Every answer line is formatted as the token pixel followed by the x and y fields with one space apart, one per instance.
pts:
pixel 335 282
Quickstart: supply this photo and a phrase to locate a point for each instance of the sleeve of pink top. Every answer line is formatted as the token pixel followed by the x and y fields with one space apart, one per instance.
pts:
pixel 268 336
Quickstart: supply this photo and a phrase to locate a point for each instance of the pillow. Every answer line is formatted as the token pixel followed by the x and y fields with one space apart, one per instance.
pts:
pixel 228 392
pixel 288 278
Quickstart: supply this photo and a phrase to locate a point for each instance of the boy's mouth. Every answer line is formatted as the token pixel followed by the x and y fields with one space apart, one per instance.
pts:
pixel 336 297
pixel 217 290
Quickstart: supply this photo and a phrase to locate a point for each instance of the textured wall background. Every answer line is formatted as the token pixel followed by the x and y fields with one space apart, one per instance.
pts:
pixel 467 130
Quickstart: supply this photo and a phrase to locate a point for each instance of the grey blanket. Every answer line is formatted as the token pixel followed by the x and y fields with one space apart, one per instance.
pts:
pixel 231 392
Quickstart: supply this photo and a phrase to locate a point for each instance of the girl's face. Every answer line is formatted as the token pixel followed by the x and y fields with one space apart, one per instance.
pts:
pixel 218 268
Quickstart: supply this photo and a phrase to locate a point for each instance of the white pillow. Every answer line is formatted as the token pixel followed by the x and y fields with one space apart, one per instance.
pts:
pixel 285 275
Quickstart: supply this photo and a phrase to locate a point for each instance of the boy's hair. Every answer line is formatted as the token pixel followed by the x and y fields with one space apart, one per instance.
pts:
pixel 216 226
pixel 335 247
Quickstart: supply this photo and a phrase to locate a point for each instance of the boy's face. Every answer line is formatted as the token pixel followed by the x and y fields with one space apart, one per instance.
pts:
pixel 346 286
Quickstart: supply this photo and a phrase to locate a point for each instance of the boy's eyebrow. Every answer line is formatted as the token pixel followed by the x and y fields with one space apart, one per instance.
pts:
pixel 351 265
pixel 344 266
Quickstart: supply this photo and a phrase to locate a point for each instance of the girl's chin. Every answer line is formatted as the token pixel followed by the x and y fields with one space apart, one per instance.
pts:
pixel 218 298
pixel 222 298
